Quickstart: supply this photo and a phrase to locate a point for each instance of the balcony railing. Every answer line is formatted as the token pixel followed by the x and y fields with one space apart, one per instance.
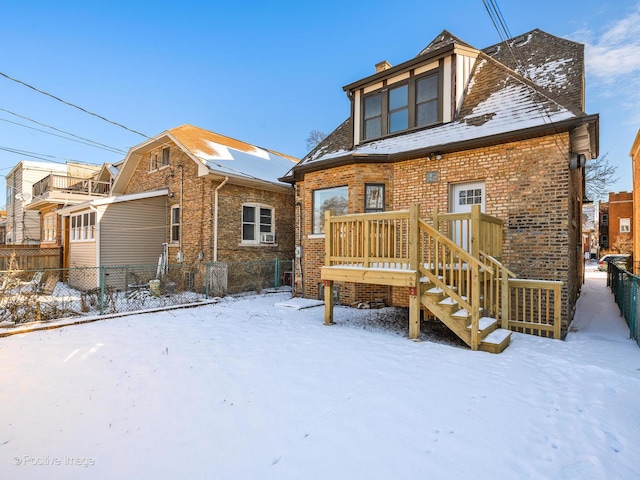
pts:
pixel 72 185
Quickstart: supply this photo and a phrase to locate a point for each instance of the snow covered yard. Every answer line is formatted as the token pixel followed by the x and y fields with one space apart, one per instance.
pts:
pixel 246 389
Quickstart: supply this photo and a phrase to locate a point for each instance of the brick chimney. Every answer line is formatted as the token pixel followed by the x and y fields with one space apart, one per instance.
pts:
pixel 382 66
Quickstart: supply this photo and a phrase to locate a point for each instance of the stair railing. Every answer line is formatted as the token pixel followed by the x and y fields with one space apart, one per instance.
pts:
pixel 456 272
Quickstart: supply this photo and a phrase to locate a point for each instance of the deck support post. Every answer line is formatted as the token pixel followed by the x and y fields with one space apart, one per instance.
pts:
pixel 414 313
pixel 414 264
pixel 328 302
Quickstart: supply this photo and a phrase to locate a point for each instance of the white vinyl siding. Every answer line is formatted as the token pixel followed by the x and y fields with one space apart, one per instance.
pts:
pixel 83 269
pixel 132 233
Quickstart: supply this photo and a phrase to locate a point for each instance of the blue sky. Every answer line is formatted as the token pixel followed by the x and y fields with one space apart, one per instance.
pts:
pixel 265 72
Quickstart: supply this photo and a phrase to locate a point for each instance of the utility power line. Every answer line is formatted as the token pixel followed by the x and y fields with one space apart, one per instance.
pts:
pixel 73 105
pixel 40 156
pixel 84 140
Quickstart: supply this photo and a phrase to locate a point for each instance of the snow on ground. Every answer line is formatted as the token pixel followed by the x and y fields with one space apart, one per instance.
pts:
pixel 248 390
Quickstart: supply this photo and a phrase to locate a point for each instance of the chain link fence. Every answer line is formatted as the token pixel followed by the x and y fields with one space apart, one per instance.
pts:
pixel 624 286
pixel 50 294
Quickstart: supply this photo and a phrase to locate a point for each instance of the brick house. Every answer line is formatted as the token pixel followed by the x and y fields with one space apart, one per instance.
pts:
pixel 454 127
pixel 618 222
pixel 192 196
pixel 635 170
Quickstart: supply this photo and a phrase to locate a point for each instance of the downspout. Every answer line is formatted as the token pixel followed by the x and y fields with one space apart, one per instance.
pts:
pixel 215 218
pixel 180 252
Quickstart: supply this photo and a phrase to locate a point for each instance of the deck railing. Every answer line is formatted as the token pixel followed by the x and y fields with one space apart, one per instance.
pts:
pixel 368 240
pixel 63 183
pixel 458 274
pixel 473 231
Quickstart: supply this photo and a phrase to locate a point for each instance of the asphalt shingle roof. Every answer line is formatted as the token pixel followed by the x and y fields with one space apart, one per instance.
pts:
pixel 542 87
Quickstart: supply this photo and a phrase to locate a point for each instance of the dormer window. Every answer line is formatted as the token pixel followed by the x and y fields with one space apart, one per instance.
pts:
pixel 373 116
pixel 427 111
pixel 411 104
pixel 398 108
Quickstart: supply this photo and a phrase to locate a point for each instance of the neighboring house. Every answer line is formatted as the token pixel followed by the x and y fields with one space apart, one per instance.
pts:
pixel 603 228
pixel 589 231
pixel 191 196
pixel 620 222
pixel 23 226
pixel 3 227
pixel 503 128
pixel 79 183
pixel 635 166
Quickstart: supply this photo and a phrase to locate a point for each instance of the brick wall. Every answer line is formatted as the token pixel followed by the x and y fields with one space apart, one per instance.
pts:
pixel 528 185
pixel 620 206
pixel 355 176
pixel 198 211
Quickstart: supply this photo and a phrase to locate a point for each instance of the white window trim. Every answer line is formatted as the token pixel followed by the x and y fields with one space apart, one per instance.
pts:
pixel 49 225
pixel 173 241
pixel 625 225
pixel 153 158
pixel 83 233
pixel 257 241
pixel 162 165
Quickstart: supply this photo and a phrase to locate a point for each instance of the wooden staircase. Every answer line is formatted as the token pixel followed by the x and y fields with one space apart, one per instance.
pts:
pixel 449 312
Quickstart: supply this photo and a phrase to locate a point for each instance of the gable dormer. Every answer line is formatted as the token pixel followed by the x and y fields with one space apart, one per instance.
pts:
pixel 424 91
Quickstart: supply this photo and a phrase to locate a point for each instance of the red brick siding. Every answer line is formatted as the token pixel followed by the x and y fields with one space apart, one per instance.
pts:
pixel 528 185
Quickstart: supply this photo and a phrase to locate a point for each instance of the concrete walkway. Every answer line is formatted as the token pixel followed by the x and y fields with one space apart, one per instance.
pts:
pixel 597 313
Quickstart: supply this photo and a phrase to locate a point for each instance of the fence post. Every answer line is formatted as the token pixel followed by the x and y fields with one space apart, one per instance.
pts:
pixel 276 274
pixel 102 282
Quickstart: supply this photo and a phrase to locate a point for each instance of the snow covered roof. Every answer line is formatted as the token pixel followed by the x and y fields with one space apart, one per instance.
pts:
pixel 499 102
pixel 228 156
pixel 216 156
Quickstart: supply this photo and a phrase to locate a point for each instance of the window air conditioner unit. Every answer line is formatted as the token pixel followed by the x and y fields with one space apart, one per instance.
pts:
pixel 267 238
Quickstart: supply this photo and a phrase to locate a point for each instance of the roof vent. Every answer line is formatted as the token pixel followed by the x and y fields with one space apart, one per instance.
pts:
pixel 382 66
pixel 492 50
pixel 519 40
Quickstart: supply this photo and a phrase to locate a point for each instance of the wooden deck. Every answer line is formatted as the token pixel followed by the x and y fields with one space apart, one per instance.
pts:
pixel 450 265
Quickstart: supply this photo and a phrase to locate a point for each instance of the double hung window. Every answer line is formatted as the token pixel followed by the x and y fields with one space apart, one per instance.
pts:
pixel 257 224
pixel 175 224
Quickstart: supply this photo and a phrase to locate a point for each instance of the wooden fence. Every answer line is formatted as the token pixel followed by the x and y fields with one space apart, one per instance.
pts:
pixel 29 257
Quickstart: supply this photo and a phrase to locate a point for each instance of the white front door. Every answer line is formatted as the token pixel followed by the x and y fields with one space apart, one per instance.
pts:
pixel 463 196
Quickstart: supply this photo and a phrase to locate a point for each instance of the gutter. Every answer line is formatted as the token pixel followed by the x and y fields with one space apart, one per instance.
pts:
pixel 355 157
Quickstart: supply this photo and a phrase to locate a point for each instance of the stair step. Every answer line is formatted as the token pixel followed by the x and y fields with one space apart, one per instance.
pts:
pixel 484 323
pixel 496 341
pixel 435 291
pixel 426 279
pixel 449 302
